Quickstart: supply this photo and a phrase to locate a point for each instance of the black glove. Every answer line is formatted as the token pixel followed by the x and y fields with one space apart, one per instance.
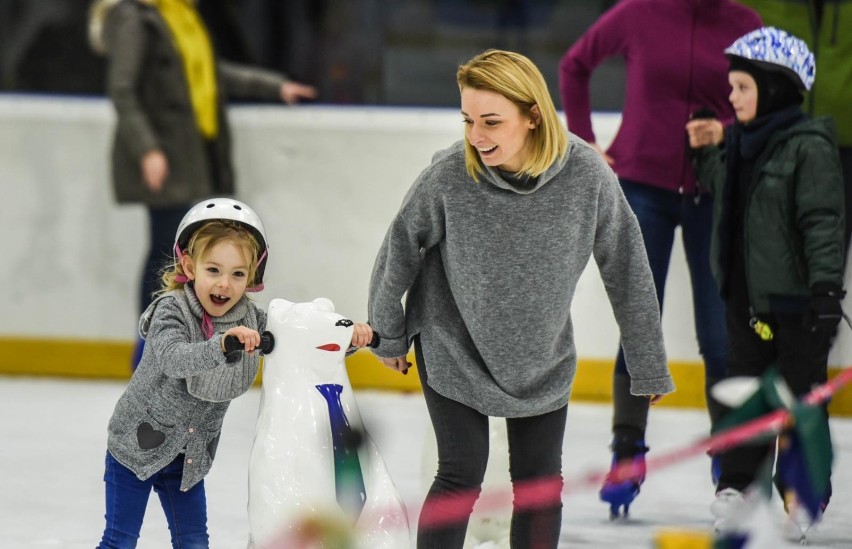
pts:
pixel 824 311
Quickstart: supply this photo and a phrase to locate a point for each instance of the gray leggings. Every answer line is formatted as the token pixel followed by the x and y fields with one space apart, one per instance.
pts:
pixel 535 453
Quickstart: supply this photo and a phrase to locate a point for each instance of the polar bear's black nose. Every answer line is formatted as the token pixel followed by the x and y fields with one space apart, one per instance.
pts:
pixel 345 322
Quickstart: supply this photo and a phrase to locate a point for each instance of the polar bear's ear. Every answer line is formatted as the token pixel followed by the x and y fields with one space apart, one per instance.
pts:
pixel 324 304
pixel 279 305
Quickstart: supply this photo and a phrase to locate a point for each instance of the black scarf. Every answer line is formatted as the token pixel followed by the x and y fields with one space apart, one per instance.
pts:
pixel 753 137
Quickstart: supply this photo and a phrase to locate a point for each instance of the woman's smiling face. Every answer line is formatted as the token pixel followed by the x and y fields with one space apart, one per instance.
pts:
pixel 496 128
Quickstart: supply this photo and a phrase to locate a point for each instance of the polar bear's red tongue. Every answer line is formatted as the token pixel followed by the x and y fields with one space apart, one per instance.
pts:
pixel 329 347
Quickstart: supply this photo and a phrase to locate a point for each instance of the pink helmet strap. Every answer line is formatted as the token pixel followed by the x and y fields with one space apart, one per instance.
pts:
pixel 258 287
pixel 181 278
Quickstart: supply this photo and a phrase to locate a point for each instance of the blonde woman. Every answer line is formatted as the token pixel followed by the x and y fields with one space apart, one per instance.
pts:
pixel 489 244
pixel 172 145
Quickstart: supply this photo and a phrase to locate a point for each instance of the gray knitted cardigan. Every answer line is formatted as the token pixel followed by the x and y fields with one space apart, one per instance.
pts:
pixel 490 271
pixel 179 393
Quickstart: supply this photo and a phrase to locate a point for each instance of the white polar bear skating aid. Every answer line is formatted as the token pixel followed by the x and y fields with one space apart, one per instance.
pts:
pixel 312 463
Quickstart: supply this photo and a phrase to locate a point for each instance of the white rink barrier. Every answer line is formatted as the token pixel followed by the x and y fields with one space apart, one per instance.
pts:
pixel 326 180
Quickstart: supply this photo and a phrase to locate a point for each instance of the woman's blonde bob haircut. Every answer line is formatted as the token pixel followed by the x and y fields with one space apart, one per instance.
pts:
pixel 517 79
pixel 203 240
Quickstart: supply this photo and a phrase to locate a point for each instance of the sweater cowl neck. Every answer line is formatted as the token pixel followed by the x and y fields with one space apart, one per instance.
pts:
pixel 191 303
pixel 496 177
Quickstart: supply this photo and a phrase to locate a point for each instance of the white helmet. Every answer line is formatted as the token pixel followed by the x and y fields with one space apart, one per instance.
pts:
pixel 225 209
pixel 773 48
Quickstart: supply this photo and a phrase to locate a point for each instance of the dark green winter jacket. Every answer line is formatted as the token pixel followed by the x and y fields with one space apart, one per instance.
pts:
pixel 794 215
pixel 828 33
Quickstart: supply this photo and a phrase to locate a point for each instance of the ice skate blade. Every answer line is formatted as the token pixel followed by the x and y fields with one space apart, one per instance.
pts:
pixel 797 534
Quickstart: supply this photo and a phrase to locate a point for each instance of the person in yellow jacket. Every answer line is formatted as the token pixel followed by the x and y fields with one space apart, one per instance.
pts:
pixel 172 145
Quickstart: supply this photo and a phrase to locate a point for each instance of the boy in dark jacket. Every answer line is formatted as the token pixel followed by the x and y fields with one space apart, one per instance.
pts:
pixel 778 238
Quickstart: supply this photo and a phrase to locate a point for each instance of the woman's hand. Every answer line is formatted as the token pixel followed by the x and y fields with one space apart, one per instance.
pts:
pixel 607 158
pixel 655 398
pixel 362 335
pixel 293 92
pixel 155 169
pixel 400 364
pixel 248 337
pixel 703 132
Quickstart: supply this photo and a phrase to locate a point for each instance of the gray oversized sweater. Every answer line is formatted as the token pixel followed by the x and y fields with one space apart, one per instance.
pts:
pixel 178 395
pixel 491 270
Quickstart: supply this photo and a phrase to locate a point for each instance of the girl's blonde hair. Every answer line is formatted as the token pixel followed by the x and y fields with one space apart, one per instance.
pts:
pixel 516 78
pixel 202 241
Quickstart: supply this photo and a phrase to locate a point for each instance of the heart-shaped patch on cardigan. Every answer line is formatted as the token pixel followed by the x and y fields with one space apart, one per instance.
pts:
pixel 148 437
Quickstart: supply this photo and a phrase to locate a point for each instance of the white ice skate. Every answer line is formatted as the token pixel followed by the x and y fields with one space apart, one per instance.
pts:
pixel 730 509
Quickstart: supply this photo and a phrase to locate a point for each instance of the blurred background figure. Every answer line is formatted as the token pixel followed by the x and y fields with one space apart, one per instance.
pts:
pixel 378 52
pixel 172 145
pixel 44 48
pixel 675 67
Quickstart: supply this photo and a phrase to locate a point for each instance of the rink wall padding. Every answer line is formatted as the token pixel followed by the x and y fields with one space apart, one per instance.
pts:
pixel 111 360
pixel 72 256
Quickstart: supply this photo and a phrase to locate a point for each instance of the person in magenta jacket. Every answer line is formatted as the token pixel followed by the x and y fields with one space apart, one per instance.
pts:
pixel 676 69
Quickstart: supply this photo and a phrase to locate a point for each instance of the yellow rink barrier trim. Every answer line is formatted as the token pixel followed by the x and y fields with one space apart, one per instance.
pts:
pixel 111 360
pixel 678 538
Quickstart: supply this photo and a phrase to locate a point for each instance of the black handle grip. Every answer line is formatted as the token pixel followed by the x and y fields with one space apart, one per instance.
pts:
pixel 233 346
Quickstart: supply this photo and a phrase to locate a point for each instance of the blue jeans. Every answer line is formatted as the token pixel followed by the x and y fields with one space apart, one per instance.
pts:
pixel 127 498
pixel 659 212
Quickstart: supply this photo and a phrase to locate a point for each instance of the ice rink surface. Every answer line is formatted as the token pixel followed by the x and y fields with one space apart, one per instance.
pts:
pixel 53 436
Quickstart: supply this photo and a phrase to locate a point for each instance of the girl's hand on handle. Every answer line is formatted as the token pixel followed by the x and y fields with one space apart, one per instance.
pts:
pixel 155 169
pixel 248 337
pixel 655 399
pixel 400 364
pixel 362 335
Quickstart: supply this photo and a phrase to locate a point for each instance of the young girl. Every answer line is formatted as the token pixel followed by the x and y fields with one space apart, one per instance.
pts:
pixel 778 236
pixel 166 426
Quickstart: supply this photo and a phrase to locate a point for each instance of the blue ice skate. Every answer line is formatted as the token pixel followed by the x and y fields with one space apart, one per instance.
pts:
pixel 619 490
